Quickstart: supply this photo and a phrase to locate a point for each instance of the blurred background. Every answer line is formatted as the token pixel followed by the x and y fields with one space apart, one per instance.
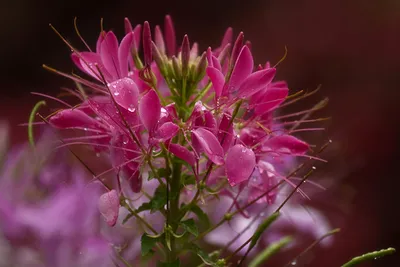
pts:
pixel 349 47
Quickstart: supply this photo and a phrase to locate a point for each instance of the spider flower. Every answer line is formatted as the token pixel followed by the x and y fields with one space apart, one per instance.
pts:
pixel 192 124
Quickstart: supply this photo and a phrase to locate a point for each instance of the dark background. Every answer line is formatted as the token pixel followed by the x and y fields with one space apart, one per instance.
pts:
pixel 350 47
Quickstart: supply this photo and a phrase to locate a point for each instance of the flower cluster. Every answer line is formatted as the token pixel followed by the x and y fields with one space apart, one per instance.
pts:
pixel 182 128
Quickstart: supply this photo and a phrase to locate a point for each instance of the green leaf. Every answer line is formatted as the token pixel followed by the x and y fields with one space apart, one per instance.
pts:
pixel 164 173
pixel 269 251
pixel 143 207
pixel 147 244
pixel 190 226
pixel 369 256
pixel 188 180
pixel 201 215
pixel 175 263
pixel 158 201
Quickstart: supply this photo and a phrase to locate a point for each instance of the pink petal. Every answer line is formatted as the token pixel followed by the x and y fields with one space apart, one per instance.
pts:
pixel 217 79
pixel 134 178
pixel 150 110
pixel 159 40
pixel 210 122
pixel 128 26
pixel 240 163
pixel 222 57
pixel 183 153
pixel 170 38
pixel 137 36
pixel 243 68
pixel 124 53
pixel 255 82
pixel 227 38
pixel 125 93
pixel 209 57
pixel 185 54
pixel 237 47
pixel 273 97
pixel 72 118
pixel 109 207
pixel 225 133
pixel 210 144
pixel 109 55
pixel 99 41
pixel 147 50
pixel 285 144
pixel 87 61
pixel 166 132
pixel 216 63
pixel 194 52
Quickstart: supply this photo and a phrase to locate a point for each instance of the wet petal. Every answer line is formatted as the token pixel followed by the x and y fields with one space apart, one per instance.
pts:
pixel 182 153
pixel 72 118
pixel 210 145
pixel 90 63
pixel 150 110
pixel 240 163
pixel 166 132
pixel 125 93
pixel 109 207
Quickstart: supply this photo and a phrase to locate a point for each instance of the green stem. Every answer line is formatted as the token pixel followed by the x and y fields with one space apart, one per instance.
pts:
pixel 369 256
pixel 174 206
pixel 31 120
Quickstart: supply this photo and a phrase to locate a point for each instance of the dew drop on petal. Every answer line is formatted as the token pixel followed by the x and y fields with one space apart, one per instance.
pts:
pixel 313 167
pixel 131 108
pixel 294 262
pixel 116 93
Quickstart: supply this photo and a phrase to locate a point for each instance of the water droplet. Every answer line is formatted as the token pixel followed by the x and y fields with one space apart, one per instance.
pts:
pixel 294 262
pixel 330 140
pixel 313 167
pixel 116 93
pixel 98 155
pixel 131 108
pixel 85 129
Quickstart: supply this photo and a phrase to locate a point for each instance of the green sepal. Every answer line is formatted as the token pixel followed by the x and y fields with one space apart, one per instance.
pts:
pixel 204 256
pixel 190 226
pixel 204 220
pixel 147 244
